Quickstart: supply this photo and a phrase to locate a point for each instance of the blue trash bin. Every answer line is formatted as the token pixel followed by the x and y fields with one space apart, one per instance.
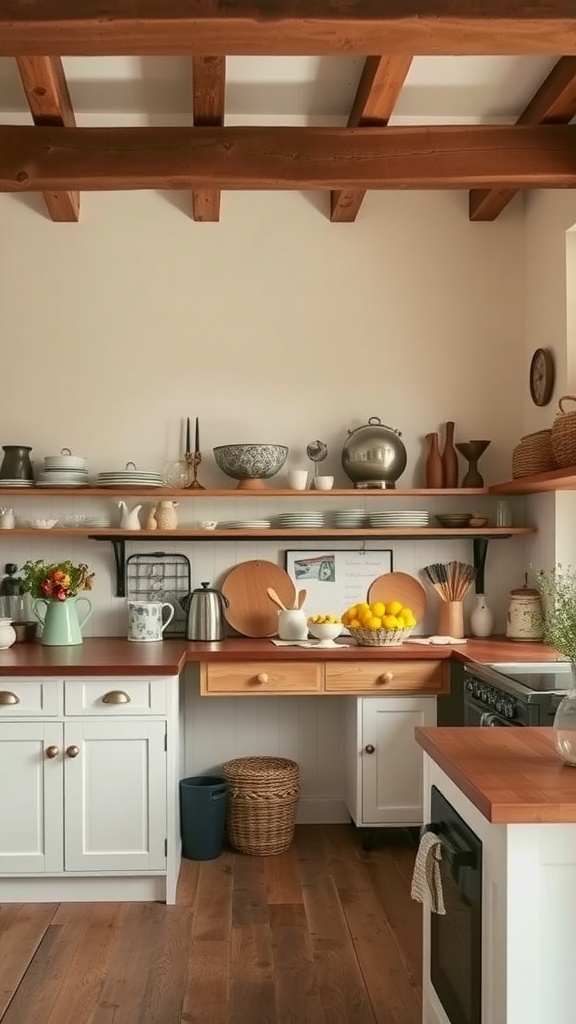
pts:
pixel 203 803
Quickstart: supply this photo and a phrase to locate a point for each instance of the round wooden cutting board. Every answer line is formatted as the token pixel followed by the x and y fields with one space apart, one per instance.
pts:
pixel 399 586
pixel 251 612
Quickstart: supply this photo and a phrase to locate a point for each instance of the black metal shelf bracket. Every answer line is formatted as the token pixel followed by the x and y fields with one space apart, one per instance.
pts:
pixel 480 549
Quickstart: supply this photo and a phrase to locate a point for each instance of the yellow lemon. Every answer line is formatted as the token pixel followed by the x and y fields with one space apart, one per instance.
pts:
pixel 389 622
pixel 352 611
pixel 374 622
pixel 378 609
pixel 354 624
pixel 393 607
pixel 404 614
pixel 410 623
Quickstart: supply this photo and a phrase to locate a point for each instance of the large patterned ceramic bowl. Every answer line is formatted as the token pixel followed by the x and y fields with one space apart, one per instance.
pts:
pixel 250 464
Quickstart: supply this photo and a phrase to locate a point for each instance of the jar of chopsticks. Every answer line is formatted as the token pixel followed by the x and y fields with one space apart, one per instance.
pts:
pixel 451 581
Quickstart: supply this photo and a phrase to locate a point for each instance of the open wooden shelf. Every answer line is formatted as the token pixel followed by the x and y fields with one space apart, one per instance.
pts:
pixel 554 480
pixel 234 492
pixel 325 533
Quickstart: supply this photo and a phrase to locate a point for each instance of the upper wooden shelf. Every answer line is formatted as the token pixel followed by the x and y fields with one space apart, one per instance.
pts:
pixel 554 480
pixel 273 533
pixel 234 492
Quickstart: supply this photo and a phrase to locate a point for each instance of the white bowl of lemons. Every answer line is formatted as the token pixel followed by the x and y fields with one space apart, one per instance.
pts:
pixel 325 629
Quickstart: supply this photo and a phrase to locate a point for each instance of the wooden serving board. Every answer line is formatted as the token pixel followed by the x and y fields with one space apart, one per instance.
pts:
pixel 399 586
pixel 250 611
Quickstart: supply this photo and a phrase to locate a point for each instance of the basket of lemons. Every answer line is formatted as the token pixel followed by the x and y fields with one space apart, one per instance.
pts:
pixel 379 624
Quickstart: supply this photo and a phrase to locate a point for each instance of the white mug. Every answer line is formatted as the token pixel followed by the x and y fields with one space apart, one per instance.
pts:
pixel 323 483
pixel 298 479
pixel 145 623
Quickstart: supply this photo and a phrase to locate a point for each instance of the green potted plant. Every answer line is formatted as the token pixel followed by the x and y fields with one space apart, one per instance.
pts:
pixel 557 589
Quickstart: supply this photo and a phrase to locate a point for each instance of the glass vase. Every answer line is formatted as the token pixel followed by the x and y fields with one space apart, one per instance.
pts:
pixel 565 723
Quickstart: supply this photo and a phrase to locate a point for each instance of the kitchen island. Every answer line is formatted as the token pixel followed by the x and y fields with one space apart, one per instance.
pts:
pixel 518 799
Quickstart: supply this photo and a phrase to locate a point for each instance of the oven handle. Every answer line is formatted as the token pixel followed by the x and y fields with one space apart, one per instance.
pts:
pixel 456 857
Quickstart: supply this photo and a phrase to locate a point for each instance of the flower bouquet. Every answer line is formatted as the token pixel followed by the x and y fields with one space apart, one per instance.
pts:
pixel 56 581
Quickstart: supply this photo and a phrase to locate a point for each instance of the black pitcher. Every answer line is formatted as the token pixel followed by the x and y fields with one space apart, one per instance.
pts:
pixel 16 464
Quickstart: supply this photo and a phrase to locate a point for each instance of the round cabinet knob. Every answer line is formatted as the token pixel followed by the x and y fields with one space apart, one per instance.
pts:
pixel 262 677
pixel 72 751
pixel 116 697
pixel 7 697
pixel 369 748
pixel 51 752
pixel 386 677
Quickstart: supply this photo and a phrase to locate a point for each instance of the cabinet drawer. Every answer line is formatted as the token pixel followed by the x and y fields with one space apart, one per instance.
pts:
pixel 386 677
pixel 27 697
pixel 109 696
pixel 259 677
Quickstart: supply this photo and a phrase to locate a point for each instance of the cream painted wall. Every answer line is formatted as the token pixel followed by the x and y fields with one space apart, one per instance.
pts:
pixel 271 325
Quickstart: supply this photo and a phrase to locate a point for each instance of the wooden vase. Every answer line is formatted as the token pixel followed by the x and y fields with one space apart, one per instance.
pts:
pixel 434 475
pixel 449 458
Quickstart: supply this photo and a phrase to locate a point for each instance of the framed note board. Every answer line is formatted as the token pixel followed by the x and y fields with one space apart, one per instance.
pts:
pixel 335 580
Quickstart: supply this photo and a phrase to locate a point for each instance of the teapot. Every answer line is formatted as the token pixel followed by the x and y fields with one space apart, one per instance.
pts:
pixel 129 520
pixel 204 609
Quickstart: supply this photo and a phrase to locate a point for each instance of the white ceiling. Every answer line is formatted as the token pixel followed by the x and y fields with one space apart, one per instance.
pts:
pixel 287 89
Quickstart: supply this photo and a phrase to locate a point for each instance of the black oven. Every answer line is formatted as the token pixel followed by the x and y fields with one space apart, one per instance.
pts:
pixel 456 936
pixel 513 698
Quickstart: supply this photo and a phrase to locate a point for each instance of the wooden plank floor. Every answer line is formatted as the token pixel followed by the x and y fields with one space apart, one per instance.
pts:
pixel 324 934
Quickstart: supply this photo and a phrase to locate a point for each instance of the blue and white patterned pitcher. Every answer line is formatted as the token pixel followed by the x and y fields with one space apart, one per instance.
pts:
pixel 145 623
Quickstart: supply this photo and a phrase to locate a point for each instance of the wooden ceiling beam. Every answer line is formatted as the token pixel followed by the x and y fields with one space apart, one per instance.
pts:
pixel 49 100
pixel 34 159
pixel 378 90
pixel 553 103
pixel 209 97
pixel 289 27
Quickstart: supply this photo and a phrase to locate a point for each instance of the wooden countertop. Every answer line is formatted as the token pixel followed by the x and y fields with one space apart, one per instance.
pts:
pixel 115 655
pixel 513 776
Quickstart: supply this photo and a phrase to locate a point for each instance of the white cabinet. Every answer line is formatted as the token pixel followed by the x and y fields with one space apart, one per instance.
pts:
pixel 383 762
pixel 89 789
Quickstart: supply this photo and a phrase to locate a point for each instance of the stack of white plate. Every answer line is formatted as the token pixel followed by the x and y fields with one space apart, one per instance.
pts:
pixel 63 478
pixel 129 478
pixel 245 524
pixel 301 520
pixel 96 522
pixel 5 482
pixel 388 520
pixel 350 518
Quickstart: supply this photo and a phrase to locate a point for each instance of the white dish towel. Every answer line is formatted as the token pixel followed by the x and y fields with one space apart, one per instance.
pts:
pixel 426 878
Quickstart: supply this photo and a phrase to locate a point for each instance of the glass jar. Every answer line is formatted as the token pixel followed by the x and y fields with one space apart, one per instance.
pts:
pixel 564 728
pixel 503 514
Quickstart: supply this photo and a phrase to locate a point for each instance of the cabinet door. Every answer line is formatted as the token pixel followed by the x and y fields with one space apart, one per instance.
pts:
pixel 31 822
pixel 392 773
pixel 114 795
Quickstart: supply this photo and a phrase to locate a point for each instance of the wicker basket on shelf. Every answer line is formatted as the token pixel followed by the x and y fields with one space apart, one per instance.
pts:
pixel 533 454
pixel 564 435
pixel 379 637
pixel 262 802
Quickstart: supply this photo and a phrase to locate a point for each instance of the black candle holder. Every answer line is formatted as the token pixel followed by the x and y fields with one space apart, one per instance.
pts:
pixel 193 460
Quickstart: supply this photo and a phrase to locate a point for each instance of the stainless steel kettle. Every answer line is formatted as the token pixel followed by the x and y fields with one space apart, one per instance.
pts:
pixel 204 609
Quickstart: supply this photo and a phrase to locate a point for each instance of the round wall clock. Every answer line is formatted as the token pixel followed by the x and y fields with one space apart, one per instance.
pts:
pixel 541 376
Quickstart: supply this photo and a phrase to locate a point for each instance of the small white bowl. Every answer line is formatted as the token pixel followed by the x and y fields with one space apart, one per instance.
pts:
pixel 325 632
pixel 43 524
pixel 209 524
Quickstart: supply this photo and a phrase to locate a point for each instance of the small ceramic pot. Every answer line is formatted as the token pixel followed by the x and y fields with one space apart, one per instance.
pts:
pixel 292 625
pixel 7 634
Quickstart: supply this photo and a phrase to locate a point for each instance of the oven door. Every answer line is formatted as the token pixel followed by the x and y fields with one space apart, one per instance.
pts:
pixel 456 936
pixel 475 714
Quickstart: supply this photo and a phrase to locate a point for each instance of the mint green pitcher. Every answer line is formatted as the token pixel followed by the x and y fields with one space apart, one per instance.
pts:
pixel 61 625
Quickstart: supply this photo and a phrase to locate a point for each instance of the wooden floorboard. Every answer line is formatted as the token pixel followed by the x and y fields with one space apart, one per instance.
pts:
pixel 323 934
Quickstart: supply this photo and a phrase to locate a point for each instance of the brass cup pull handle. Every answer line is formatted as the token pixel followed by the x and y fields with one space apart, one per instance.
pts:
pixel 7 697
pixel 369 748
pixel 116 697
pixel 262 677
pixel 386 677
pixel 72 751
pixel 52 752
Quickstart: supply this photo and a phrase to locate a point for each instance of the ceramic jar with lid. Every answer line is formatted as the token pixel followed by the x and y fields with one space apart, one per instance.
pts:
pixel 524 620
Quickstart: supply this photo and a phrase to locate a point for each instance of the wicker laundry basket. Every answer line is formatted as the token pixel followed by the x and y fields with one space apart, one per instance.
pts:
pixel 564 435
pixel 533 454
pixel 262 800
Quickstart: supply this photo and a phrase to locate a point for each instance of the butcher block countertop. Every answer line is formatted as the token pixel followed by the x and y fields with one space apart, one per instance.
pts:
pixel 115 655
pixel 513 776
